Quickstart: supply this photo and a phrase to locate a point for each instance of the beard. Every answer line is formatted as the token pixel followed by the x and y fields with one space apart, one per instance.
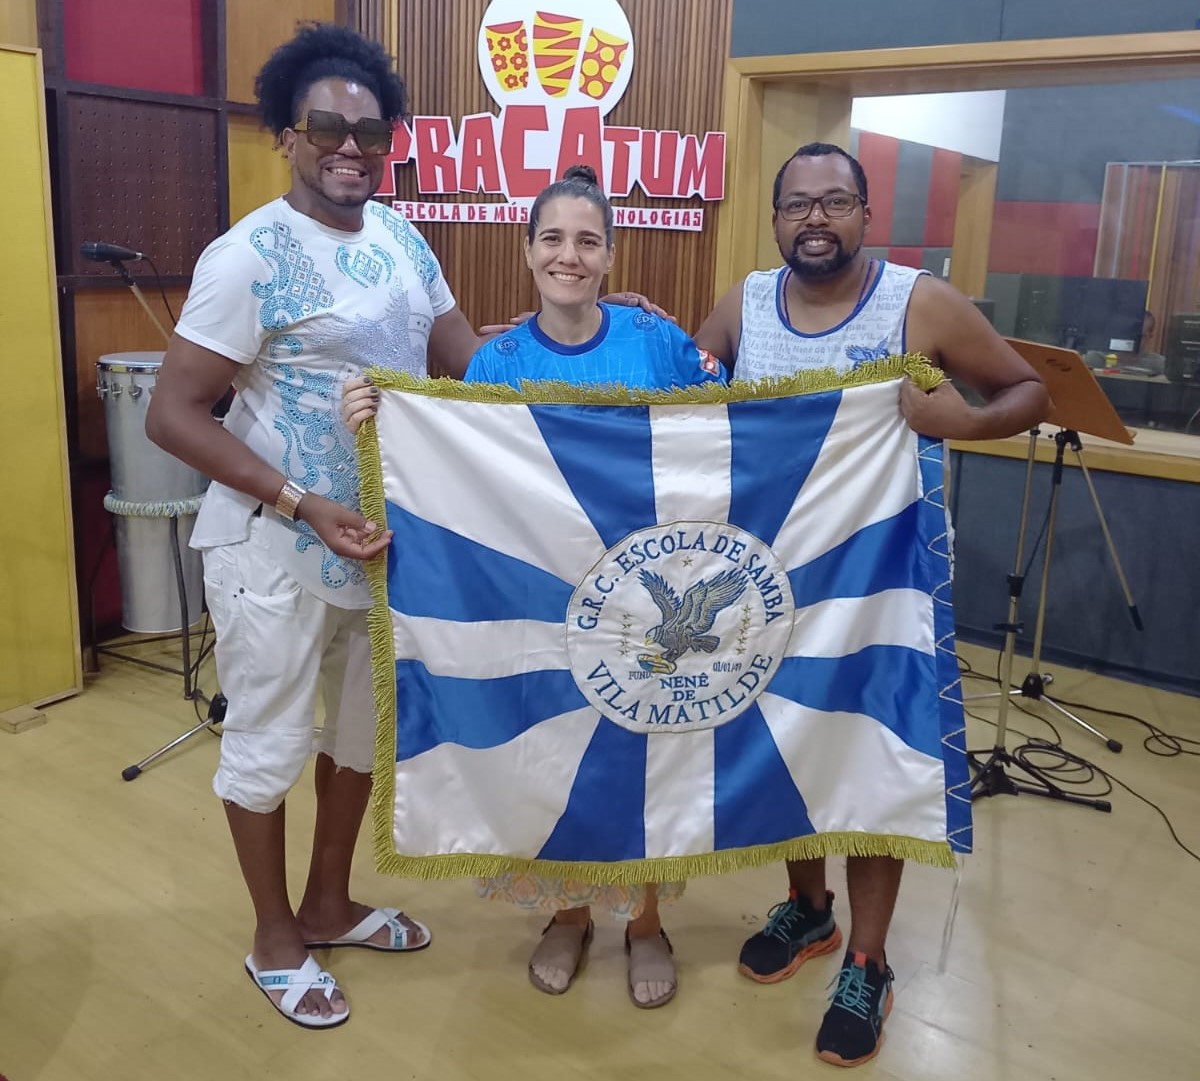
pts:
pixel 315 184
pixel 823 267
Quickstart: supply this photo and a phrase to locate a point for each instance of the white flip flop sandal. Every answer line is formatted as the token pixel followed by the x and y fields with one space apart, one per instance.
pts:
pixel 295 984
pixel 360 934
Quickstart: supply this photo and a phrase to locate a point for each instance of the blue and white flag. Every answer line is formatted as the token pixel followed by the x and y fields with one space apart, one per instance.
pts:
pixel 637 642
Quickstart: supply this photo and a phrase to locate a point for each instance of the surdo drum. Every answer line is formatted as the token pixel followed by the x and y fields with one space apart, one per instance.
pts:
pixel 153 496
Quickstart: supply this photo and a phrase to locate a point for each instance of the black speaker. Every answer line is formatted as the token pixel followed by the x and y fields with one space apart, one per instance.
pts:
pixel 1183 348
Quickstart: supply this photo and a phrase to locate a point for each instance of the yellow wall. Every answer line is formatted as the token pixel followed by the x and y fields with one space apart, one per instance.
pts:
pixel 18 23
pixel 39 639
pixel 258 172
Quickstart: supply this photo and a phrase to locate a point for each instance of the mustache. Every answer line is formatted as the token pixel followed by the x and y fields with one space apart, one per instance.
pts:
pixel 816 234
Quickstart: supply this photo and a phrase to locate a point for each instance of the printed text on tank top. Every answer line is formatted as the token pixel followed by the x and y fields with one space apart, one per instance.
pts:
pixel 870 279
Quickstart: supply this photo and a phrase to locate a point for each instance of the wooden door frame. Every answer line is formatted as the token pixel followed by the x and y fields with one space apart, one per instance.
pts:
pixel 775 103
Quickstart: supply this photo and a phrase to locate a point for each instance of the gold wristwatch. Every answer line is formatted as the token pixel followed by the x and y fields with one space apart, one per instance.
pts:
pixel 289 498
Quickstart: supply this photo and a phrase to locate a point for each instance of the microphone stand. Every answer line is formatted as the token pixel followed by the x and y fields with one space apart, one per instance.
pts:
pixel 128 279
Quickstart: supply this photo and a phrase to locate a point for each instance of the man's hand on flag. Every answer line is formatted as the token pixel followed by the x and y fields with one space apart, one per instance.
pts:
pixel 342 530
pixel 942 413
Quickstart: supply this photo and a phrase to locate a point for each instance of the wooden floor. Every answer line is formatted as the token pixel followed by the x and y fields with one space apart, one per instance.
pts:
pixel 123 925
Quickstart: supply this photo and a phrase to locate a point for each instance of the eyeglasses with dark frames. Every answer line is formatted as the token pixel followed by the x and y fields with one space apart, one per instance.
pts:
pixel 328 131
pixel 838 204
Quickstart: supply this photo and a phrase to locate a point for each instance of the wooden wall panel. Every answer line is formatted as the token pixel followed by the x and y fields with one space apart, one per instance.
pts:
pixel 254 30
pixel 973 226
pixel 258 171
pixel 677 84
pixel 112 321
pixel 18 23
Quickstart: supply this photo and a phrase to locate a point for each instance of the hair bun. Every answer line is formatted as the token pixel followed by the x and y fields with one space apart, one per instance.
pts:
pixel 581 172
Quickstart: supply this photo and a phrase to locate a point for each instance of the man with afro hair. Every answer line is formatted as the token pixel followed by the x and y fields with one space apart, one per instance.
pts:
pixel 290 303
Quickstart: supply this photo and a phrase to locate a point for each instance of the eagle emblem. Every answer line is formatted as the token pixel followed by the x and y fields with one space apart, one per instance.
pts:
pixel 687 621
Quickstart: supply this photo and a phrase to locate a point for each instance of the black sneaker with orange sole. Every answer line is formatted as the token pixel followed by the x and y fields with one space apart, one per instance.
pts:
pixel 793 933
pixel 852 1030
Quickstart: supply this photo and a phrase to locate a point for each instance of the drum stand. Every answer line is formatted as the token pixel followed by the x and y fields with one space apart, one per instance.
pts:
pixel 191 690
pixel 989 776
pixel 191 668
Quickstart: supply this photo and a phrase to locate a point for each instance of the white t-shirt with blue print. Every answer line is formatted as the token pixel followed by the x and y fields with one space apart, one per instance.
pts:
pixel 632 348
pixel 303 307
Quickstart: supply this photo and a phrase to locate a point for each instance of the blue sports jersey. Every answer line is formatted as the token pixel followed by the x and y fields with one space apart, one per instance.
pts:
pixel 632 348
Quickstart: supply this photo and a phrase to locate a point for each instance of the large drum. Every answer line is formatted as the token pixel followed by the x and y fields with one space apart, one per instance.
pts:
pixel 154 496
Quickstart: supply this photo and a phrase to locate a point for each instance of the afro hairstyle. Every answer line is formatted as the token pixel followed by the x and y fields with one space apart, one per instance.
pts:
pixel 324 51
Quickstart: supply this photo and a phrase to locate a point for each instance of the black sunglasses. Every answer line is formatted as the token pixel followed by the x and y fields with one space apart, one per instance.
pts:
pixel 328 131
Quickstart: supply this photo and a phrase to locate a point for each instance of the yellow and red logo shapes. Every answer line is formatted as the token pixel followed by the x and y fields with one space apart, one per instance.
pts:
pixel 556 41
pixel 581 52
pixel 602 62
pixel 508 50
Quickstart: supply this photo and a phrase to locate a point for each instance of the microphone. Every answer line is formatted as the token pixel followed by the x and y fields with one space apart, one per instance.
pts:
pixel 109 253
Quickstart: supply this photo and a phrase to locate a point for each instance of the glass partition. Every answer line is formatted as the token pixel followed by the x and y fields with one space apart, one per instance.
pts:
pixel 1070 215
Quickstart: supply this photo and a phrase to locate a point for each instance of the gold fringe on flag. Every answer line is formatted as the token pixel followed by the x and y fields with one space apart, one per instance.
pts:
pixel 549 392
pixel 383 660
pixel 667 868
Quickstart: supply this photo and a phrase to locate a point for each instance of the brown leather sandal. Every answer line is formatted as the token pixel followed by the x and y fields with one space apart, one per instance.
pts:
pixel 651 960
pixel 563 946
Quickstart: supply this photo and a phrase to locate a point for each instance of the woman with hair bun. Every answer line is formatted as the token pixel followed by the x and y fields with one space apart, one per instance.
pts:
pixel 575 339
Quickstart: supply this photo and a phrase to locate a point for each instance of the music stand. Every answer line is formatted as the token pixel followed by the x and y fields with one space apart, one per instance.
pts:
pixel 1078 405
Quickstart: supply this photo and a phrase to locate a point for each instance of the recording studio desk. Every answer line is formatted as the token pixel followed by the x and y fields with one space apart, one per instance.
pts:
pixel 1150 493
pixel 1164 455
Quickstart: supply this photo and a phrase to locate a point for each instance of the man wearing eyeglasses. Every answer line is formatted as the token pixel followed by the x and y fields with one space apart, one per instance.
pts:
pixel 831 306
pixel 286 306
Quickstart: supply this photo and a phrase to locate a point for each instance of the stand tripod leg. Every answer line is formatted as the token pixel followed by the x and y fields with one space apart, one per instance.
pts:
pixel 1134 614
pixel 216 714
pixel 1034 685
pixel 1016 581
pixel 990 778
pixel 216 708
pixel 189 690
pixel 1112 744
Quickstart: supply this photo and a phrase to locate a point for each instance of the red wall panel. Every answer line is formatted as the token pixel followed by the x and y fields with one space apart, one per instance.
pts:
pixel 943 198
pixel 906 256
pixel 1044 238
pixel 878 155
pixel 146 44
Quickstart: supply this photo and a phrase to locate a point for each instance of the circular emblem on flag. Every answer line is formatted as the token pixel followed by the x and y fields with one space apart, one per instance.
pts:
pixel 680 626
